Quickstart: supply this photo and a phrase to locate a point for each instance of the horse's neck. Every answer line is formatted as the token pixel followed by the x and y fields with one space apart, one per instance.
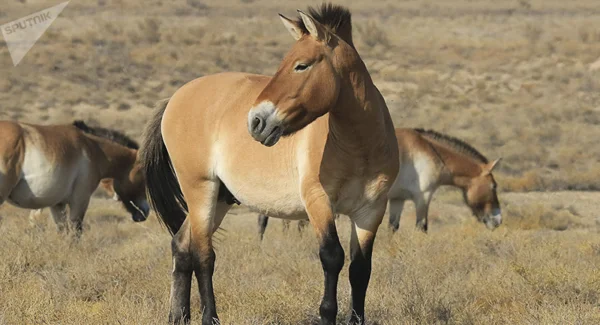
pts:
pixel 358 122
pixel 456 168
pixel 117 158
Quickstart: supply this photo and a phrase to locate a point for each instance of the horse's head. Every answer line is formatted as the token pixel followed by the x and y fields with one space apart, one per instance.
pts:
pixel 480 195
pixel 307 82
pixel 130 188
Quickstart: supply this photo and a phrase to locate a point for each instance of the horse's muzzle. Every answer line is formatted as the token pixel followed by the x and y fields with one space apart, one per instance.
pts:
pixel 264 125
pixel 141 213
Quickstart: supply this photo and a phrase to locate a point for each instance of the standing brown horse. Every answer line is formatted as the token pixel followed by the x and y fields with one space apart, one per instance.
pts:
pixel 61 165
pixel 428 160
pixel 328 146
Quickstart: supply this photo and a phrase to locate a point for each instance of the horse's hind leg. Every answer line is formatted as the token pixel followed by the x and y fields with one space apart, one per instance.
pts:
pixel 301 225
pixel 396 207
pixel 205 216
pixel 59 214
pixel 262 225
pixel 181 282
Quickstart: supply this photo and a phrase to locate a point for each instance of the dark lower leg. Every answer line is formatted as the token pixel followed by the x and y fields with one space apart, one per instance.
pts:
pixel 360 274
pixel 181 282
pixel 422 211
pixel 262 225
pixel 204 267
pixel 396 207
pixel 332 260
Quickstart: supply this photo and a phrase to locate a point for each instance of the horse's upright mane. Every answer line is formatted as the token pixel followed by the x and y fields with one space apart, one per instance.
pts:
pixel 455 143
pixel 337 18
pixel 108 134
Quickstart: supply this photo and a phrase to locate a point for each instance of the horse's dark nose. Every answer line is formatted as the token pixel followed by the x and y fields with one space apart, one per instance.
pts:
pixel 264 125
pixel 258 124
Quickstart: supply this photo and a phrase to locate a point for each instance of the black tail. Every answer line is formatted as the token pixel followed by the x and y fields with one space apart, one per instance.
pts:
pixel 163 188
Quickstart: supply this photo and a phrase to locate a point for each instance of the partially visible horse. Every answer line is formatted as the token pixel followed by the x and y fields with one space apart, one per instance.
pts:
pixel 428 160
pixel 322 142
pixel 60 166
pixel 263 220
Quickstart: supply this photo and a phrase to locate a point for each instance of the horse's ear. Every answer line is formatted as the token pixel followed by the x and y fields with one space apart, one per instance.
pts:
pixel 487 169
pixel 315 28
pixel 291 26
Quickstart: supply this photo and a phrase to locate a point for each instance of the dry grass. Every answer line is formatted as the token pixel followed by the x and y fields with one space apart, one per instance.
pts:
pixel 460 273
pixel 510 77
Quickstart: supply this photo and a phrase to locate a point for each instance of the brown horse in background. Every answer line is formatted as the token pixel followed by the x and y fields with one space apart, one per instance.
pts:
pixel 428 160
pixel 328 147
pixel 60 166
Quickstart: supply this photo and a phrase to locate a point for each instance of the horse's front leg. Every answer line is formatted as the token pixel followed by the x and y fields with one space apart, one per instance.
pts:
pixel 331 252
pixel 364 229
pixel 77 208
pixel 422 207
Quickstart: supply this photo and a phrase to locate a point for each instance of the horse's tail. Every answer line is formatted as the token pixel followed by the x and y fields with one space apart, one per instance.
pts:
pixel 163 188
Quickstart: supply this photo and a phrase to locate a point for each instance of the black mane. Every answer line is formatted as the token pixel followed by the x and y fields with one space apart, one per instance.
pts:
pixel 109 134
pixel 337 18
pixel 455 143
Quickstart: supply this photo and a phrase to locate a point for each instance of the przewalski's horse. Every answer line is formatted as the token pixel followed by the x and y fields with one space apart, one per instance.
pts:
pixel 197 156
pixel 428 160
pixel 61 165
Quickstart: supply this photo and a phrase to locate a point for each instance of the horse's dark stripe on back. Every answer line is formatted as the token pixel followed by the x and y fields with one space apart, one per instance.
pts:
pixel 109 134
pixel 454 143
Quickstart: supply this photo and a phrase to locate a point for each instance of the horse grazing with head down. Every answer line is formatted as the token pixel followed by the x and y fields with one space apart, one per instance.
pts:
pixel 61 165
pixel 319 132
pixel 428 160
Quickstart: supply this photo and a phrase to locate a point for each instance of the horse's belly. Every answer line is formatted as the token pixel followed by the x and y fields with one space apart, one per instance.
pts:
pixel 38 192
pixel 272 201
pixel 42 183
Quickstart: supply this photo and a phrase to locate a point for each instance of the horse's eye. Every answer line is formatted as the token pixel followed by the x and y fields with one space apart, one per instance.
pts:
pixel 301 67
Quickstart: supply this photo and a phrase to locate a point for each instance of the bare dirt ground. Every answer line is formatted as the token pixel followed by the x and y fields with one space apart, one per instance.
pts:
pixel 515 78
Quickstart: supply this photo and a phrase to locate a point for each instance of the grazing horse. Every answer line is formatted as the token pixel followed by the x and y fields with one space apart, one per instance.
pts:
pixel 323 138
pixel 61 165
pixel 428 160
